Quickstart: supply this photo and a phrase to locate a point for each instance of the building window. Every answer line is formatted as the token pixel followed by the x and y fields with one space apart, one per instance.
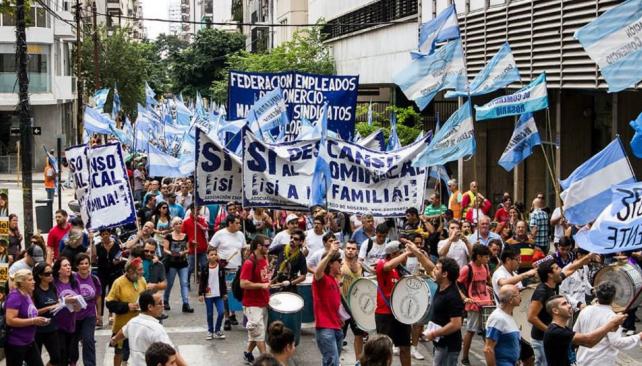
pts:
pixel 37 16
pixel 37 70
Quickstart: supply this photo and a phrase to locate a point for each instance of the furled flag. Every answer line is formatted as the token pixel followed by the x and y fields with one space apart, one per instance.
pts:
pixel 524 138
pixel 95 122
pixel 375 141
pixel 370 114
pixel 442 28
pixel 439 173
pixel 115 109
pixel 500 71
pixel 100 97
pixel 530 98
pixel 393 139
pixel 268 113
pixel 455 139
pixel 425 76
pixel 165 165
pixel 613 41
pixel 149 96
pixel 636 141
pixel 587 191
pixel 321 178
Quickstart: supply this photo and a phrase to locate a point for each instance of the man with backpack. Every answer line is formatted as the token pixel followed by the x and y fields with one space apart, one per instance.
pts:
pixel 473 281
pixel 255 283
pixel 373 249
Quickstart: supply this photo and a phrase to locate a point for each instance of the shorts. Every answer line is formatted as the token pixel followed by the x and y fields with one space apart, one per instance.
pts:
pixel 525 351
pixel 399 333
pixel 473 322
pixel 122 348
pixel 355 329
pixel 256 321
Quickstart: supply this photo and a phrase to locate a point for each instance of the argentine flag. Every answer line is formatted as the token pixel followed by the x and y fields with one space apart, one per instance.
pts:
pixel 524 138
pixel 530 98
pixel 614 43
pixel 165 165
pixel 115 105
pixel 443 28
pixel 425 76
pixel 393 139
pixel 149 96
pixel 587 191
pixel 268 113
pixel 455 139
pixel 95 122
pixel 322 177
pixel 100 97
pixel 500 71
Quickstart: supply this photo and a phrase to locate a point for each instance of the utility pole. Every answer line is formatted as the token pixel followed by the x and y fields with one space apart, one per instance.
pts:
pixel 95 39
pixel 24 112
pixel 79 84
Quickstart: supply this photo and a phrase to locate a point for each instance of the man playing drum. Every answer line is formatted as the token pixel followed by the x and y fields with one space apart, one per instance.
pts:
pixel 290 268
pixel 387 276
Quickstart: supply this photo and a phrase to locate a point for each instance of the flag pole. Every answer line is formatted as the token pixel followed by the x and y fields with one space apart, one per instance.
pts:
pixel 548 164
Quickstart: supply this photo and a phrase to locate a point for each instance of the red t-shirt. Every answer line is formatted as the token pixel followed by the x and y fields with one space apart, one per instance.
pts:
pixel 326 299
pixel 258 298
pixel 386 281
pixel 477 288
pixel 55 236
pixel 188 228
pixel 502 215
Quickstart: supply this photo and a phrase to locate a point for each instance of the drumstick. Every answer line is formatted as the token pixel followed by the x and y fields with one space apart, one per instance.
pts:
pixel 637 294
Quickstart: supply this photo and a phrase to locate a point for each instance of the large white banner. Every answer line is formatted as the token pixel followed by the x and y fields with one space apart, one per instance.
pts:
pixel 102 185
pixel 218 172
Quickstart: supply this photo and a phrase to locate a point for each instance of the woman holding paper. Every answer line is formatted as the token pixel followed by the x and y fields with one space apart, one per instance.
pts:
pixel 68 290
pixel 90 289
pixel 45 298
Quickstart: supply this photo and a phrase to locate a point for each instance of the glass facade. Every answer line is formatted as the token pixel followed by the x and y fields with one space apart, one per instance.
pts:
pixel 37 71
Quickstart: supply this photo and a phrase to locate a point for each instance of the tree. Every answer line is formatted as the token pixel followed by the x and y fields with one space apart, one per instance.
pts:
pixel 306 52
pixel 197 66
pixel 407 120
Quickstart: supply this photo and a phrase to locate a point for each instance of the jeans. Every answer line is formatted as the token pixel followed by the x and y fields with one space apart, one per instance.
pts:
pixel 20 355
pixel 85 333
pixel 202 262
pixel 442 357
pixel 183 278
pixel 50 193
pixel 538 349
pixel 329 342
pixel 210 302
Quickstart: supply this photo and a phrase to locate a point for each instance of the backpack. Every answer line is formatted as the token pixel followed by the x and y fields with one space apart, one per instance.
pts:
pixel 237 291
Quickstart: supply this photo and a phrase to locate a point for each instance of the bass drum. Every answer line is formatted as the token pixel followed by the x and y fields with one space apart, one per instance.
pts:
pixel 628 281
pixel 412 298
pixel 362 300
pixel 520 314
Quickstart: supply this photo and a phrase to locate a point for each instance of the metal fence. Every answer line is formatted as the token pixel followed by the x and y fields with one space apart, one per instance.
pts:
pixel 439 110
pixel 9 164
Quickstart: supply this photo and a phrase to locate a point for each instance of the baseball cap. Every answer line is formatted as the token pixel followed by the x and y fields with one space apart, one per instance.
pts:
pixel 392 247
pixel 36 253
pixel 291 217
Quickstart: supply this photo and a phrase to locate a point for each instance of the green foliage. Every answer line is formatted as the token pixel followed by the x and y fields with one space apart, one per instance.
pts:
pixel 201 63
pixel 306 52
pixel 408 122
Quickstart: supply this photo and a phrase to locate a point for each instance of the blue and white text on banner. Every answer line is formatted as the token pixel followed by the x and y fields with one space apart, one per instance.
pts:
pixel 374 141
pixel 218 172
pixel 524 138
pixel 530 98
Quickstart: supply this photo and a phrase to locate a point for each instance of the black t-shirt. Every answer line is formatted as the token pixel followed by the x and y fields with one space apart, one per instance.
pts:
pixel 293 269
pixel 433 241
pixel 110 262
pixel 542 294
pixel 558 346
pixel 145 214
pixel 176 247
pixel 448 304
pixel 156 272
pixel 41 299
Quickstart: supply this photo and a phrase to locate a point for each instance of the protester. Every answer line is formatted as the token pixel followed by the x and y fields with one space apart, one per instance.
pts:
pixel 138 239
pixel 529 253
pixel 435 208
pixel 455 200
pixel 255 282
pixel 212 290
pixel 45 299
pixel 350 271
pixel 283 237
pixel 539 223
pixel 327 303
pixel 15 238
pixel 139 180
pixel 57 232
pixel 483 235
pixel 314 236
pixel 377 351
pixel 50 179
pixel 290 266
pixel 152 191
pixel 470 198
pixel 73 245
pixel 314 259
pixel 21 319
pixel 68 290
pixel 456 246
pixel 146 212
pixel 153 269
pixel 175 210
pixel 33 255
pixel 373 249
pixel 175 250
pixel 564 253
pixel 161 220
pixel 494 262
pixel 184 196
pixel 559 339
pixel 502 346
pixel 109 259
pixel 90 289
pixel 501 215
pixel 577 287
pixel 366 231
pixel 197 244
pixel 559 223
pixel 262 221
pixel 161 354
pixel 281 342
pixel 506 274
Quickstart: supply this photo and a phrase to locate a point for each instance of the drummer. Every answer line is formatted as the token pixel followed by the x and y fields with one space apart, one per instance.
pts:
pixel 387 276
pixel 290 267
pixel 350 271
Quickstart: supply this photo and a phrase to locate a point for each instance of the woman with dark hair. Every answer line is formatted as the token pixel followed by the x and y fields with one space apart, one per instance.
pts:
pixel 45 298
pixel 377 351
pixel 281 342
pixel 161 219
pixel 15 237
pixel 67 289
pixel 109 258
pixel 90 289
pixel 4 205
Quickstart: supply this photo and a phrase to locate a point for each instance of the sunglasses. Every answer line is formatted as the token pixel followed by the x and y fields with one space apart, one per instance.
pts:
pixel 267 245
pixel 148 251
pixel 296 238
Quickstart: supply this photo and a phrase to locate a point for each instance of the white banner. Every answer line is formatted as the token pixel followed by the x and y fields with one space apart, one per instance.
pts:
pixel 218 172
pixel 102 185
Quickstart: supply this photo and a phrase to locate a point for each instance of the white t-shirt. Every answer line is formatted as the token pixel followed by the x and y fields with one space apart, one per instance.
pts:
pixel 313 241
pixel 558 230
pixel 314 259
pixel 280 239
pixel 141 332
pixel 501 273
pixel 229 245
pixel 377 252
pixel 457 251
pixel 212 283
pixel 356 221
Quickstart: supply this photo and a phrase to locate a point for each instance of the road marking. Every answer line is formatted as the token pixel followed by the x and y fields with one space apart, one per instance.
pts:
pixel 107 332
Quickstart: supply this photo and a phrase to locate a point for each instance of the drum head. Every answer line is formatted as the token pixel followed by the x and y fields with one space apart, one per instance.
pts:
pixel 410 300
pixel 362 300
pixel 286 302
pixel 627 280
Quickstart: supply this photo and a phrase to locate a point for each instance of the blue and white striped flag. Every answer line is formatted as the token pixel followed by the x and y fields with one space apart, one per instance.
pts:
pixel 100 97
pixel 165 165
pixel 524 138
pixel 393 139
pixel 425 76
pixel 96 122
pixel 455 139
pixel 587 191
pixel 121 136
pixel 322 177
pixel 115 105
pixel 530 98
pixel 183 114
pixel 614 43
pixel 443 28
pixel 268 113
pixel 636 141
pixel 149 96
pixel 500 71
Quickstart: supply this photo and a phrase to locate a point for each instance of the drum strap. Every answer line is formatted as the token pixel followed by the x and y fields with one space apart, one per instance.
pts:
pixel 384 297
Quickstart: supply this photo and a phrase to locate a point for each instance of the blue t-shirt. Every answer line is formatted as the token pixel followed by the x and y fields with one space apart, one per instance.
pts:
pixel 503 329
pixel 176 210
pixel 359 236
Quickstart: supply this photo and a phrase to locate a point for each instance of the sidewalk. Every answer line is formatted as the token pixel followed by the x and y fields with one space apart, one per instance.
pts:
pixel 36 177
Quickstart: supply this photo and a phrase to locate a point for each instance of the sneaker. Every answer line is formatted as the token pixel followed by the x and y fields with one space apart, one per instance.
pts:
pixel 248 357
pixel 465 362
pixel 416 354
pixel 187 308
pixel 233 320
pixel 395 350
pixel 227 325
pixel 210 336
pixel 219 335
